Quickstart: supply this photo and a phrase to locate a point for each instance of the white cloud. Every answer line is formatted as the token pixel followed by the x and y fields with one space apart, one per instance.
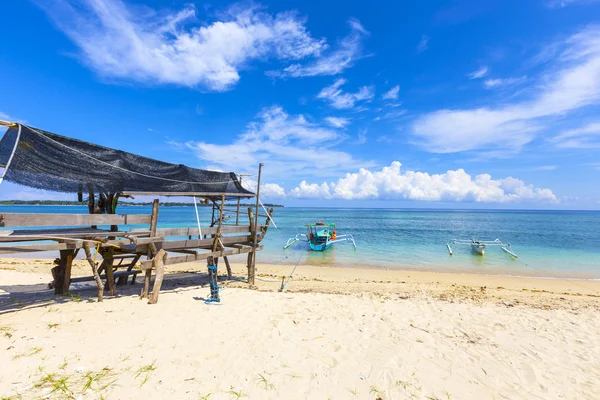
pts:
pixel 337 122
pixel 392 94
pixel 339 99
pixel 586 137
pixel 456 186
pixel 333 62
pixel 362 136
pixel 479 73
pixel 267 190
pixel 497 82
pixel 423 44
pixel 142 45
pixel 571 83
pixel 289 145
pixel 564 3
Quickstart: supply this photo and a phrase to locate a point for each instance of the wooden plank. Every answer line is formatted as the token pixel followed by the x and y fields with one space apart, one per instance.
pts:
pixel 205 231
pixel 38 247
pixel 57 234
pixel 117 274
pixel 32 219
pixel 202 243
pixel 145 265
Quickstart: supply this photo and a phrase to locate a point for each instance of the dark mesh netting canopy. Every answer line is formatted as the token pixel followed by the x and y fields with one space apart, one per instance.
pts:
pixel 44 160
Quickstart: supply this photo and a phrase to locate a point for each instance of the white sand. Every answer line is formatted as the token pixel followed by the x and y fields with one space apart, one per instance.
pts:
pixel 305 345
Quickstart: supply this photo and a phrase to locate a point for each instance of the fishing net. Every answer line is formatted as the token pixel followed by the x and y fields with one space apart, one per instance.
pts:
pixel 44 160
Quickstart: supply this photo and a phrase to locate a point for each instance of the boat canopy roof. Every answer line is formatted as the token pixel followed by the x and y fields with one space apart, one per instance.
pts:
pixel 44 160
pixel 321 224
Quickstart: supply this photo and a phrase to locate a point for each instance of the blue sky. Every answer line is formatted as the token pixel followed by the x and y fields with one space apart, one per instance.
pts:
pixel 430 104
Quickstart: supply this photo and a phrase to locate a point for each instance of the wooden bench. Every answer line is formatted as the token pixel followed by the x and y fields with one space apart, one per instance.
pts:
pixel 68 236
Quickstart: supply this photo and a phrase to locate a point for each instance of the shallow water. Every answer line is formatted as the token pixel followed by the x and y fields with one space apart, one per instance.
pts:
pixel 549 243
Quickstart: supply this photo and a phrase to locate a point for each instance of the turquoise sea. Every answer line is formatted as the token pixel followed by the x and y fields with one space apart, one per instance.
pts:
pixel 549 243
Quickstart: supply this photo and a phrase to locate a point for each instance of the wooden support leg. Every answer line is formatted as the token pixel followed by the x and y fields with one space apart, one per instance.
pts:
pixel 62 272
pixel 146 289
pixel 159 267
pixel 108 266
pixel 251 271
pixel 229 274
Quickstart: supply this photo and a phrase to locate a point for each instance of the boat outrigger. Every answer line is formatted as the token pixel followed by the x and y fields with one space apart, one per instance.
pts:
pixel 479 246
pixel 320 236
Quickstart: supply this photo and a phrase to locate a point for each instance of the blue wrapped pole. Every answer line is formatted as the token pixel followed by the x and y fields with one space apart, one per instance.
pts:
pixel 214 288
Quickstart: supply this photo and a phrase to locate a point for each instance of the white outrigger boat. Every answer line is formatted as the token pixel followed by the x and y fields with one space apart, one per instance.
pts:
pixel 479 246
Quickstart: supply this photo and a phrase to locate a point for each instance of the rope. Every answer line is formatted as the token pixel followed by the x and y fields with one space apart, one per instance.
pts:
pixel 121 168
pixel 11 155
pixel 290 276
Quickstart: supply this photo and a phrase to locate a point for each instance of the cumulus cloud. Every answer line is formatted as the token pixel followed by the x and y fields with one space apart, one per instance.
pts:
pixel 142 45
pixel 338 99
pixel 499 82
pixel 337 122
pixel 333 62
pixel 571 83
pixel 290 145
pixel 586 137
pixel 479 73
pixel 392 94
pixel 423 44
pixel 455 186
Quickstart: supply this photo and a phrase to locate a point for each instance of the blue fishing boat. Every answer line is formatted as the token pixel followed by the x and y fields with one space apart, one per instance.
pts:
pixel 320 236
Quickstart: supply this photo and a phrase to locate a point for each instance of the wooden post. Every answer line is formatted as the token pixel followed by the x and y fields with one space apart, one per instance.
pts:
pixel 107 255
pixel 88 256
pixel 229 274
pixel 152 248
pixel 250 265
pixel 62 272
pixel 158 263
pixel 264 229
pixel 255 241
pixel 237 213
pixel 211 260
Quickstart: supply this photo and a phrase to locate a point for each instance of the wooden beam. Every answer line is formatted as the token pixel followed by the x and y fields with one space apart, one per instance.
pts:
pixel 32 219
pixel 194 231
pixel 251 269
pixel 188 194
pixel 202 243
pixel 38 247
pixel 145 265
pixel 151 248
pixel 57 234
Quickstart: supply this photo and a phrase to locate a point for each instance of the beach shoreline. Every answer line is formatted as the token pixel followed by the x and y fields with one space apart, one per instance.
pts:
pixel 340 333
pixel 535 291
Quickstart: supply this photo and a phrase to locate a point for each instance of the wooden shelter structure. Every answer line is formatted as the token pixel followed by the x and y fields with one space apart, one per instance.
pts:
pixel 44 160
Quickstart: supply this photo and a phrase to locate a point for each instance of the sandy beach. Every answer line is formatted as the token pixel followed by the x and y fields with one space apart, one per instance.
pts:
pixel 333 333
